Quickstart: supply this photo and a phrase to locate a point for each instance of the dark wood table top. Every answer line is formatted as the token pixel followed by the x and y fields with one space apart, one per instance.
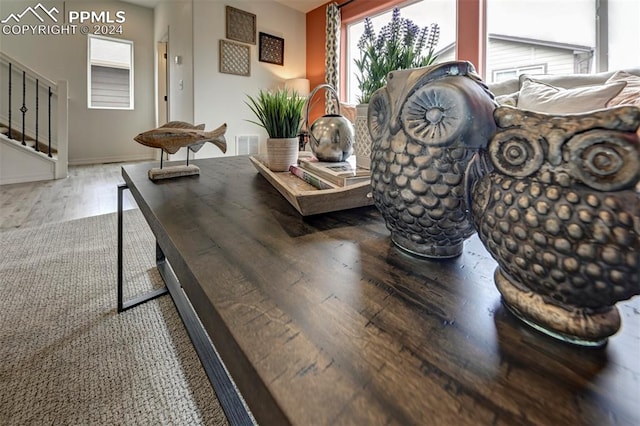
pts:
pixel 322 320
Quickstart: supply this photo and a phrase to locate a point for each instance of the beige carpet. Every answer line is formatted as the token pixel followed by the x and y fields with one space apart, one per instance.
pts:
pixel 67 357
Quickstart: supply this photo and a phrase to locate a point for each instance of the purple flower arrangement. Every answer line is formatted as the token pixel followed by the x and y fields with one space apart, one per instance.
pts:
pixel 401 44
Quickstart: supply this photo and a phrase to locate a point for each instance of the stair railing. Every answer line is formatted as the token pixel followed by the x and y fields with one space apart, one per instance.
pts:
pixel 29 87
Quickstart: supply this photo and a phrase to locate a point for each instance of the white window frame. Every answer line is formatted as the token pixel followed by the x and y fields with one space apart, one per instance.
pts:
pixel 525 69
pixel 111 65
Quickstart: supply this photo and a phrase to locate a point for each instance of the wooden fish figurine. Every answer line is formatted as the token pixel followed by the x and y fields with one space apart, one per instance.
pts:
pixel 184 125
pixel 177 134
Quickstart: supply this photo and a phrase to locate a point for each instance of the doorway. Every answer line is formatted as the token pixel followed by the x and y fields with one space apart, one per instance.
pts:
pixel 163 83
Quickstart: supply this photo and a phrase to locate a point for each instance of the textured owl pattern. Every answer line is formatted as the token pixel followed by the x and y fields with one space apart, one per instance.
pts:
pixel 421 191
pixel 423 137
pixel 561 211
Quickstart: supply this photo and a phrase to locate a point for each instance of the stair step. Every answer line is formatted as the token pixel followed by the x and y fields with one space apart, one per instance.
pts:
pixel 17 136
pixel 41 146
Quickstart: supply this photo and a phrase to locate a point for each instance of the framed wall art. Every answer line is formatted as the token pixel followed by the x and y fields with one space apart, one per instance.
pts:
pixel 235 58
pixel 271 49
pixel 241 25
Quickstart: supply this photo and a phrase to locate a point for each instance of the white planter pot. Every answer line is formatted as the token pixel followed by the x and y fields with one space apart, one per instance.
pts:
pixel 362 146
pixel 282 153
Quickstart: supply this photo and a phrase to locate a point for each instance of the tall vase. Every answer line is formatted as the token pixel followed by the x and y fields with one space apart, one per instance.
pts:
pixel 362 145
pixel 425 125
pixel 560 213
pixel 282 153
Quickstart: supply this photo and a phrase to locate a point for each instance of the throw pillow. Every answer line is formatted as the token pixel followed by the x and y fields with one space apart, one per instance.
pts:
pixel 511 99
pixel 630 95
pixel 542 97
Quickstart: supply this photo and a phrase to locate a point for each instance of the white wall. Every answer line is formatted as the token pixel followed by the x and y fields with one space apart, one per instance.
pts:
pixel 95 135
pixel 208 96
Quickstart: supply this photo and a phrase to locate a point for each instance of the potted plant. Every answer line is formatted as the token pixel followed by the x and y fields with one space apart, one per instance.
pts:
pixel 401 44
pixel 280 114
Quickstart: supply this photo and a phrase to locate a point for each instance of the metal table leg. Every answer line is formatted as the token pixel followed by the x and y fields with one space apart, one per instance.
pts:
pixel 124 305
pixel 231 401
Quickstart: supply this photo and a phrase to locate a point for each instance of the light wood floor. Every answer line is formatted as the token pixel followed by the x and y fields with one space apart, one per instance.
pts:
pixel 87 191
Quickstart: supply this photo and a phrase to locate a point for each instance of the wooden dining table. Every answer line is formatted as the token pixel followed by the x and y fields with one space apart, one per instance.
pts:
pixel 322 320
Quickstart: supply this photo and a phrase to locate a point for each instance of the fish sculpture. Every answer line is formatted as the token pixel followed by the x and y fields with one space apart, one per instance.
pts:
pixel 178 134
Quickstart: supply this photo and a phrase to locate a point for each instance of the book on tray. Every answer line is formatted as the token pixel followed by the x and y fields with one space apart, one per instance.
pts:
pixel 340 173
pixel 310 178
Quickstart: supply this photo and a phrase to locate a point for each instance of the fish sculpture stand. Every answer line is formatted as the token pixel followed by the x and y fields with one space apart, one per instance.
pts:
pixel 178 134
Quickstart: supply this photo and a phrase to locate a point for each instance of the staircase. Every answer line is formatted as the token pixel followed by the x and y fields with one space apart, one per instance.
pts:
pixel 33 124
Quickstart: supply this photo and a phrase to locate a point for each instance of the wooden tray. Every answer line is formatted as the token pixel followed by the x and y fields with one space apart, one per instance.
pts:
pixel 309 200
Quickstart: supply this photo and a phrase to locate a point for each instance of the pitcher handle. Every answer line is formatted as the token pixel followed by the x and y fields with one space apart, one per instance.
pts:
pixel 312 94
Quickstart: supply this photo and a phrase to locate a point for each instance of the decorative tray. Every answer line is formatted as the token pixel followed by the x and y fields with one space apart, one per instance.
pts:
pixel 308 199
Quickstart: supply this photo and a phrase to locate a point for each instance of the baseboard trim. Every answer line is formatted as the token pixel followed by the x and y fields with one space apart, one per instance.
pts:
pixel 113 159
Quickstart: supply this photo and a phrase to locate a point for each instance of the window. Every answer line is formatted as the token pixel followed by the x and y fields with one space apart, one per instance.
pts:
pixel 110 73
pixel 572 36
pixel 422 13
pixel 505 74
pixel 578 36
pixel 524 34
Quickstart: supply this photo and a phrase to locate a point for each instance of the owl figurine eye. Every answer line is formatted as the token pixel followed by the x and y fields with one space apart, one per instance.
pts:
pixel 605 160
pixel 435 114
pixel 516 152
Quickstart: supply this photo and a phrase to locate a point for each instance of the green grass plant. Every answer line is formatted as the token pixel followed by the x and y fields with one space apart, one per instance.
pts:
pixel 278 112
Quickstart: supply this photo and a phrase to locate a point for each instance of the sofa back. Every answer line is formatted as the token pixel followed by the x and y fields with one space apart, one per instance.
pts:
pixel 566 81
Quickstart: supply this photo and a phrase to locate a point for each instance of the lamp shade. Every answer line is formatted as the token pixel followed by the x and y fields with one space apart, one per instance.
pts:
pixel 299 85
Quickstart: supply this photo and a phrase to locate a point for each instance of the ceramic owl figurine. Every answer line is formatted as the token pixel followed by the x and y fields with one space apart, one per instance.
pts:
pixel 560 213
pixel 425 126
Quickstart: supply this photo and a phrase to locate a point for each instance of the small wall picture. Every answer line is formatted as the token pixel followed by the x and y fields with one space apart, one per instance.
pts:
pixel 241 25
pixel 271 49
pixel 235 58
